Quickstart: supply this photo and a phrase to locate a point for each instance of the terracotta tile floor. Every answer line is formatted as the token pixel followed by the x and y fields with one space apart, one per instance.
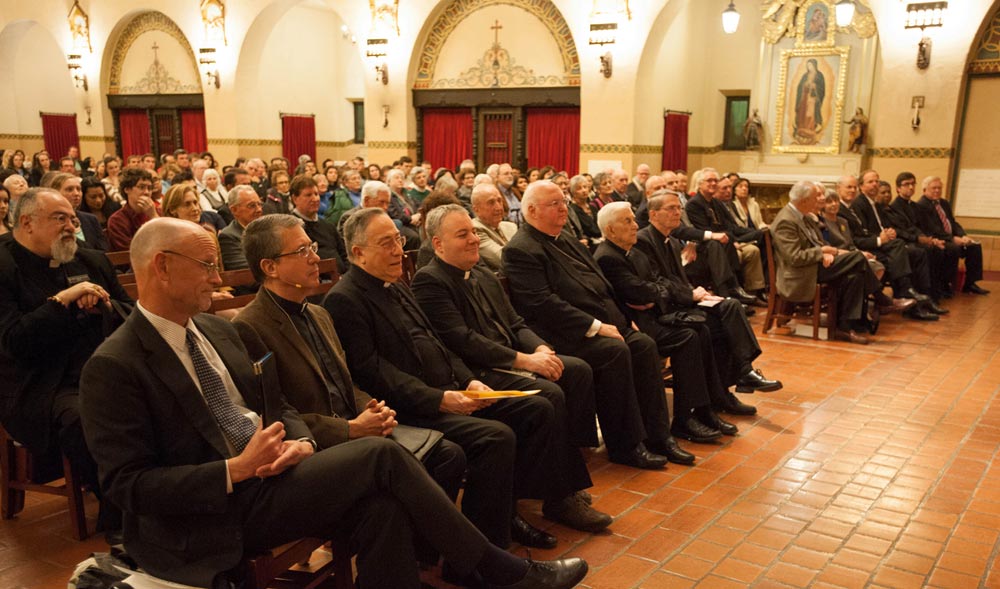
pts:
pixel 872 468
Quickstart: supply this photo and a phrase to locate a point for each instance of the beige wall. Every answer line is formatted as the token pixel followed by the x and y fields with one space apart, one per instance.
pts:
pixel 670 54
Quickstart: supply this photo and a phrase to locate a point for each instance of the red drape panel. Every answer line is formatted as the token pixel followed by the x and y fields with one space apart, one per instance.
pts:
pixel 193 135
pixel 59 133
pixel 447 136
pixel 553 138
pixel 298 136
pixel 133 124
pixel 675 141
pixel 499 138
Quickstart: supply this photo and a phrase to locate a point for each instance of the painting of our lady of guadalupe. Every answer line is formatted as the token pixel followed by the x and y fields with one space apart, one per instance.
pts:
pixel 810 104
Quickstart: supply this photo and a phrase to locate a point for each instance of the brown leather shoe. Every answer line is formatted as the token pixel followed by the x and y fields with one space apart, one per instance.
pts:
pixel 850 336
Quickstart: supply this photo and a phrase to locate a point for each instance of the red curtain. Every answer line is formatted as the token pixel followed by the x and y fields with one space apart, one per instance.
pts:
pixel 499 138
pixel 553 138
pixel 447 136
pixel 298 136
pixel 133 124
pixel 675 141
pixel 59 133
pixel 193 134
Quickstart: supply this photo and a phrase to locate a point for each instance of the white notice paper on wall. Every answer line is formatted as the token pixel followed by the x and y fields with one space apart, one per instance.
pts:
pixel 595 166
pixel 978 194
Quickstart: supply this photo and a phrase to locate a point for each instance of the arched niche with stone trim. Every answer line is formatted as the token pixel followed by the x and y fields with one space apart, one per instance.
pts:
pixel 152 56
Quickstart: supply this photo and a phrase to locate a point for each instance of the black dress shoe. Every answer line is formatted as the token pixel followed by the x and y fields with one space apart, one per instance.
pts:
pixel 761 299
pixel 975 289
pixel 734 406
pixel 933 307
pixel 694 430
pixel 743 296
pixel 920 314
pixel 755 381
pixel 639 457
pixel 709 418
pixel 550 574
pixel 750 311
pixel 672 451
pixel 919 297
pixel 526 534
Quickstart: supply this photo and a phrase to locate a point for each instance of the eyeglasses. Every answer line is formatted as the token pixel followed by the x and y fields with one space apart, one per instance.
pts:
pixel 554 203
pixel 62 218
pixel 210 267
pixel 302 252
pixel 390 244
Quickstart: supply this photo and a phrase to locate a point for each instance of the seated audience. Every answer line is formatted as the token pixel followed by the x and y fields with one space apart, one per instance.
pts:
pixel 244 205
pixel 213 195
pixel 418 189
pixel 88 229
pixel 5 224
pixel 583 216
pixel 305 201
pixel 192 445
pixel 467 307
pixel 55 309
pixel 561 292
pixel 804 260
pixel 96 202
pixel 402 210
pixel 937 220
pixel 345 198
pixel 493 230
pixel 395 354
pixel 16 186
pixel 745 209
pixel 137 184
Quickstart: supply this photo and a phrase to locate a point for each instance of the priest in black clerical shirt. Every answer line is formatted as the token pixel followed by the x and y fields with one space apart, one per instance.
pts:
pixel 305 198
pixel 394 353
pixel 467 307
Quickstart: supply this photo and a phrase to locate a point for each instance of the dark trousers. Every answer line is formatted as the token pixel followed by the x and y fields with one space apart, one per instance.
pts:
pixel 717 267
pixel 847 275
pixel 733 340
pixel 973 255
pixel 692 361
pixel 628 388
pixel 556 469
pixel 376 491
pixel 943 263
pixel 920 265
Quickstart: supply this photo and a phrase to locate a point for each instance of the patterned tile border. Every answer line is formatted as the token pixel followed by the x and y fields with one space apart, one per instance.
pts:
pixel 391 144
pixel 912 152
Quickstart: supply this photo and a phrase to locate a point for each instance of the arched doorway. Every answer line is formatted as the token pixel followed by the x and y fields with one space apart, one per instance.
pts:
pixel 154 88
pixel 496 97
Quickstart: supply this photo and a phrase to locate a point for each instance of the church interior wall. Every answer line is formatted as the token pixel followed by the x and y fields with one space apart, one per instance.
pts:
pixel 288 56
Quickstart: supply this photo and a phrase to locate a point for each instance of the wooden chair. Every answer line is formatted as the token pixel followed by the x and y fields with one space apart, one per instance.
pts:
pixel 16 477
pixel 409 266
pixel 779 308
pixel 119 259
pixel 272 568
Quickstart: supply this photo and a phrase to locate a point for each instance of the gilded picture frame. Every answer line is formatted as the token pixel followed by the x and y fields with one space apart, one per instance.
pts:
pixel 815 24
pixel 810 102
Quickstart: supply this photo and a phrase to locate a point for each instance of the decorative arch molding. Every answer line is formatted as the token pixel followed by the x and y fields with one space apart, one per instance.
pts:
pixel 986 53
pixel 458 10
pixel 140 24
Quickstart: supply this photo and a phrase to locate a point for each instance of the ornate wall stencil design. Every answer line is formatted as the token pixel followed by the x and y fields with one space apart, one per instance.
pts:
pixel 141 24
pixel 159 81
pixel 458 10
pixel 778 19
pixel 497 69
pixel 987 54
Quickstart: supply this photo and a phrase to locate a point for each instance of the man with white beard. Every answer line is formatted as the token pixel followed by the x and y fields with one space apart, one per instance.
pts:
pixel 55 309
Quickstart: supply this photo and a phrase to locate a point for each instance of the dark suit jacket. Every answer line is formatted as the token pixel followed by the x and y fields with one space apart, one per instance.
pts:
pixel 635 280
pixel 862 236
pixel 548 291
pixel 666 258
pixel 700 213
pixel 381 353
pixel 43 345
pixel 231 244
pixel 635 194
pixel 443 295
pixel 264 326
pixel 331 244
pixel 93 234
pixel 866 213
pixel 930 223
pixel 903 218
pixel 161 455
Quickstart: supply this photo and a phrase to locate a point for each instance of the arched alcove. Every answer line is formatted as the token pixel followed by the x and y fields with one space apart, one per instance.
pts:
pixel 26 48
pixel 294 59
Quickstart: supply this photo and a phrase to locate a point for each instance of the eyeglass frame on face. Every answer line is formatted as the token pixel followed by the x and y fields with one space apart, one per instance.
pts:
pixel 61 219
pixel 555 203
pixel 302 252
pixel 390 246
pixel 210 267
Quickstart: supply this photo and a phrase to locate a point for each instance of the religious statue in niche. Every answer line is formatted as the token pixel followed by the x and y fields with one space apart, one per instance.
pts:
pixel 752 131
pixel 810 95
pixel 857 135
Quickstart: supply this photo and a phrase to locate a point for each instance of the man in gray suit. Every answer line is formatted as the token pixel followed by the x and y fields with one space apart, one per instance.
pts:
pixel 245 206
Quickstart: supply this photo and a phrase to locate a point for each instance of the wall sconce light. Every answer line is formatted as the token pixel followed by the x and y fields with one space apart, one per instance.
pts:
pixel 603 33
pixel 385 115
pixel 921 16
pixel 606 64
pixel 213 17
pixel 845 13
pixel 87 110
pixel 916 103
pixel 378 49
pixel 79 28
pixel 79 78
pixel 730 19
pixel 207 61
pixel 345 32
